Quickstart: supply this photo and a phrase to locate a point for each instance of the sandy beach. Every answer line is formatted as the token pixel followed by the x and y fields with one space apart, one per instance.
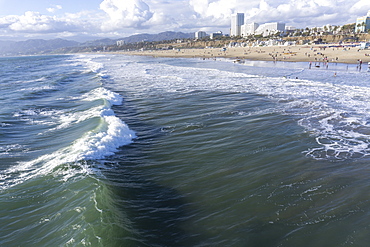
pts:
pixel 305 53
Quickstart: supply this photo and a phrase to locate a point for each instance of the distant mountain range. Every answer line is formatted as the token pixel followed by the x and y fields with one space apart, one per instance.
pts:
pixel 158 37
pixel 40 46
pixel 33 46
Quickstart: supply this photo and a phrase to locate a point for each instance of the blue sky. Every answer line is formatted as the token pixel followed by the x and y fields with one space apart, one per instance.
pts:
pixel 92 19
pixel 19 7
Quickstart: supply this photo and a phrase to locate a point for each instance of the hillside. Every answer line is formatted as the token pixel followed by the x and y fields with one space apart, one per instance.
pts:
pixel 158 37
pixel 40 46
pixel 33 46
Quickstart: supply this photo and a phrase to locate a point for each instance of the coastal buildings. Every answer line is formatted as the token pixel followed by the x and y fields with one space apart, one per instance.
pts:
pixel 290 29
pixel 270 28
pixel 120 42
pixel 216 34
pixel 363 23
pixel 200 35
pixel 237 20
pixel 240 28
pixel 265 29
pixel 248 29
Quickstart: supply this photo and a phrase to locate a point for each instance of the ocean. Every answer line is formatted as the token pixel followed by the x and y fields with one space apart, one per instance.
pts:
pixel 115 150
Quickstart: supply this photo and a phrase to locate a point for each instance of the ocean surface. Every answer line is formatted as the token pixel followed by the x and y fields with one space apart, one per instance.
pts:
pixel 113 150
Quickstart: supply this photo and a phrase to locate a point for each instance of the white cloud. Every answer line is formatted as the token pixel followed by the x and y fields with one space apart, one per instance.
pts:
pixel 8 20
pixel 118 18
pixel 360 7
pixel 293 12
pixel 32 22
pixel 170 16
pixel 219 9
pixel 52 10
pixel 303 12
pixel 125 13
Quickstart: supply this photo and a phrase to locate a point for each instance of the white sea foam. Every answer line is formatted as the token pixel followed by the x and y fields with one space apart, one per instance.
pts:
pixel 90 65
pixel 9 150
pixel 93 145
pixel 113 98
pixel 38 89
pixel 336 112
pixel 36 116
pixel 96 144
pixel 68 118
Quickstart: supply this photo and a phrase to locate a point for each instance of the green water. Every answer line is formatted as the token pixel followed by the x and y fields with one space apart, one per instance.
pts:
pixel 223 154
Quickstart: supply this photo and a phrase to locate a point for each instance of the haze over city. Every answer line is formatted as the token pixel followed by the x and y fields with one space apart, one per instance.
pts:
pixel 20 20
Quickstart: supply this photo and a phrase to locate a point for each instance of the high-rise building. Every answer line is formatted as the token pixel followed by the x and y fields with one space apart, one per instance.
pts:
pixel 200 35
pixel 237 20
pixel 363 23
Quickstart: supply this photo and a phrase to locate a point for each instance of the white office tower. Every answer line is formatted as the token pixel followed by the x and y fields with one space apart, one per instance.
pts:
pixel 200 35
pixel 237 20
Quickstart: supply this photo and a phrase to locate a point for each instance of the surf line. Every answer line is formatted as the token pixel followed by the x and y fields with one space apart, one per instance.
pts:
pixel 294 73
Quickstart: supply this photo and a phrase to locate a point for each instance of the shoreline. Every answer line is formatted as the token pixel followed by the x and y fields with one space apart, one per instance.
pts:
pixel 304 53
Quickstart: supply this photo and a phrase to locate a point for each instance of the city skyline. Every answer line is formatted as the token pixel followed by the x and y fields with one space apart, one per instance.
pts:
pixel 86 19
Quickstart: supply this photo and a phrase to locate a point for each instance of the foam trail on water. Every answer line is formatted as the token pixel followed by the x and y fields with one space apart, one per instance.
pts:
pixel 91 65
pixel 104 140
pixel 335 111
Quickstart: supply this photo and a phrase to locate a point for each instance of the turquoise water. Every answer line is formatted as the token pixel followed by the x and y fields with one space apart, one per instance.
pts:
pixel 113 150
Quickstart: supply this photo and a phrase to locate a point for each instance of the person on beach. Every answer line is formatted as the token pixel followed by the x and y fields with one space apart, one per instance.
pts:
pixel 359 66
